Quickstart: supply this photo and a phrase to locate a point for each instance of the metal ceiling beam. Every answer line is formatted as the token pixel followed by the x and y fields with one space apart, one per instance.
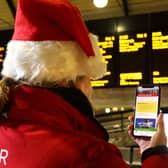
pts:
pixel 125 7
pixel 12 7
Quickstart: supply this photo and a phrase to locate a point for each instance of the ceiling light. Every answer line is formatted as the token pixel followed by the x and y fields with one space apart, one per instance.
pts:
pixel 120 28
pixel 115 108
pixel 100 3
pixel 107 110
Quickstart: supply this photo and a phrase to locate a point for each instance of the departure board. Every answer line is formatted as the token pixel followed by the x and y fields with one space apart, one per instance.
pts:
pixel 5 36
pixel 128 52
pixel 160 57
pixel 2 54
pixel 132 53
pixel 106 45
pixel 134 60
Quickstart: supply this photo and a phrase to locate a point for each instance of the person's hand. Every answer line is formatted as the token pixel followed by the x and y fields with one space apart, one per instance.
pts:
pixel 159 138
pixel 143 143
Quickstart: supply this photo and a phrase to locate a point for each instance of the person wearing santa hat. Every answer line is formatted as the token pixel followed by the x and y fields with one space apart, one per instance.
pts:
pixel 47 119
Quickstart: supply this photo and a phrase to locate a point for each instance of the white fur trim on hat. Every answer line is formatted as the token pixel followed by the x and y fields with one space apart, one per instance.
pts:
pixel 48 61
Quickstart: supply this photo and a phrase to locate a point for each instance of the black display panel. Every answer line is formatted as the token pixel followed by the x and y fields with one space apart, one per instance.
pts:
pixel 132 54
pixel 160 57
pixel 2 53
pixel 5 36
pixel 107 46
pixel 126 58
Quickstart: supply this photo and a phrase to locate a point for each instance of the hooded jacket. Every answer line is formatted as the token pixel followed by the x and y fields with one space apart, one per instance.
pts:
pixel 49 128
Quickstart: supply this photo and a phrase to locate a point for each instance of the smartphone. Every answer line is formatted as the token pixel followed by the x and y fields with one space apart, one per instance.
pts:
pixel 147 107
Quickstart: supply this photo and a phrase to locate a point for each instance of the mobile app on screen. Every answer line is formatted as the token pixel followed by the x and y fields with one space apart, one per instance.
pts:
pixel 146 110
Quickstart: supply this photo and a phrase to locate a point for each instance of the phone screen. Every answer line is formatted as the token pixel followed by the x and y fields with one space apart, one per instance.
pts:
pixel 146 110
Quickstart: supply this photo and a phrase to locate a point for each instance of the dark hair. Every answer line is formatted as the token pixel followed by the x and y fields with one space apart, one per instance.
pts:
pixel 6 84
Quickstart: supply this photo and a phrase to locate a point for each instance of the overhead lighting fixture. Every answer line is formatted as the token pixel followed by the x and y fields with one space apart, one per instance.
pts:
pixel 122 108
pixel 120 28
pixel 100 3
pixel 115 109
pixel 107 110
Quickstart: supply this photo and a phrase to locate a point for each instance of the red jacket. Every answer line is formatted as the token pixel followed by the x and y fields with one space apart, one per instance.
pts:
pixel 44 130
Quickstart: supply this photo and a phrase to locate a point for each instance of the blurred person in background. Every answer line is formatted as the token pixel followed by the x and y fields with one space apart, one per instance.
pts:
pixel 47 120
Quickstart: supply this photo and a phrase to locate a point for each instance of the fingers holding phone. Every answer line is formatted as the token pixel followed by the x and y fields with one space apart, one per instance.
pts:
pixel 159 138
pixel 147 128
pixel 143 142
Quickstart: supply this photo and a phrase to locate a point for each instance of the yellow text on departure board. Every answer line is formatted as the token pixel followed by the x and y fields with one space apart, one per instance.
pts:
pixel 2 49
pixel 107 43
pixel 99 83
pixel 157 79
pixel 127 44
pixel 130 78
pixel 159 41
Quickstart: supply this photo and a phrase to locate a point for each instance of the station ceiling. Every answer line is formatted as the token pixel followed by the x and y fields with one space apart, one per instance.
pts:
pixel 115 8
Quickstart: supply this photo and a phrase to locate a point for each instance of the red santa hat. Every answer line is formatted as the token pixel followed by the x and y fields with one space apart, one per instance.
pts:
pixel 51 42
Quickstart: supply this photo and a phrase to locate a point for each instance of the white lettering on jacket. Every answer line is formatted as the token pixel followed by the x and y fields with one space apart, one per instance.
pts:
pixel 3 156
